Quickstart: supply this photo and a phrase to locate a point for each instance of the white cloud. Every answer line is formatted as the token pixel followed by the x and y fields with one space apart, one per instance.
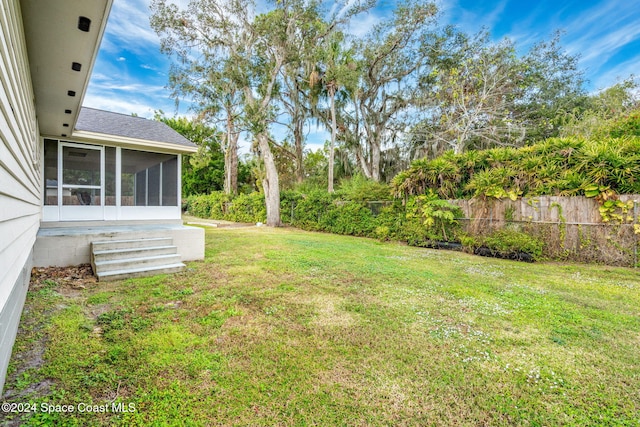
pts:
pixel 597 31
pixel 117 105
pixel 136 87
pixel 132 96
pixel 599 34
pixel 617 73
pixel 129 24
pixel 361 25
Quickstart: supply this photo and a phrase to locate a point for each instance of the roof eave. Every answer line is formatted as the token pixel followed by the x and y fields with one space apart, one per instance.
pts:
pixel 54 42
pixel 133 143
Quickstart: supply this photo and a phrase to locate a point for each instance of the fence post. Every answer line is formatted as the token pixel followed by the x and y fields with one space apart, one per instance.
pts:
pixel 635 223
pixel 491 217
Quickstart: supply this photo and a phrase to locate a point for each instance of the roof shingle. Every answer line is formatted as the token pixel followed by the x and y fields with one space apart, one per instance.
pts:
pixel 99 121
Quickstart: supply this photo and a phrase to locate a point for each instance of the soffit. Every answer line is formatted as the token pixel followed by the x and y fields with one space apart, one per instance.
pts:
pixel 54 43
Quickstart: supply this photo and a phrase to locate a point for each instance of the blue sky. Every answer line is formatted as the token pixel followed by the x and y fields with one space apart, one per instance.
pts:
pixel 130 73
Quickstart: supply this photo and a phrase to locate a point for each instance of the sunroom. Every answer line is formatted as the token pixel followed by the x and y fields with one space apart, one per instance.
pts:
pixel 114 183
pixel 130 173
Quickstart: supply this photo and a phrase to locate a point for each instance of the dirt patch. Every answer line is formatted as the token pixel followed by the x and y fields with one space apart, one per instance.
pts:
pixel 32 358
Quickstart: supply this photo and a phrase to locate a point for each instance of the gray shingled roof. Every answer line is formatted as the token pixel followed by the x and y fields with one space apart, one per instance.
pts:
pixel 99 121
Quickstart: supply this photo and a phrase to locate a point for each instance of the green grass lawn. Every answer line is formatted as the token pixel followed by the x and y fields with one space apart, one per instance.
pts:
pixel 285 327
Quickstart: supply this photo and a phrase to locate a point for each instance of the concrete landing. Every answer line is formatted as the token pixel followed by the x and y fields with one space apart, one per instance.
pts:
pixel 66 244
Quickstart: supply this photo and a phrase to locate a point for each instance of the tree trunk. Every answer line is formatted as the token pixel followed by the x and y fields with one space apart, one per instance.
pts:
pixel 371 160
pixel 299 152
pixel 231 160
pixel 361 157
pixel 332 96
pixel 364 165
pixel 270 182
pixel 375 160
pixel 458 147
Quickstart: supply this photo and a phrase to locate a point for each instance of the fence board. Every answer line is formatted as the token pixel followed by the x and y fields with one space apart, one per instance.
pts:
pixel 571 227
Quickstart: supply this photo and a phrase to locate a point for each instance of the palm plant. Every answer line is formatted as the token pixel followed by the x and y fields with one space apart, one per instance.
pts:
pixel 500 156
pixel 570 183
pixel 444 177
pixel 337 71
pixel 497 183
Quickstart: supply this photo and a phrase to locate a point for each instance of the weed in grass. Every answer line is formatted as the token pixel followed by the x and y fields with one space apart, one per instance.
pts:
pixel 99 298
pixel 214 319
pixel 113 320
pixel 183 292
pixel 272 310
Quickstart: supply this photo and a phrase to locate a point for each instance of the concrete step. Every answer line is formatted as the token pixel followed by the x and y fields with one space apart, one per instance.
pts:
pixel 127 263
pixel 121 259
pixel 113 254
pixel 140 272
pixel 109 245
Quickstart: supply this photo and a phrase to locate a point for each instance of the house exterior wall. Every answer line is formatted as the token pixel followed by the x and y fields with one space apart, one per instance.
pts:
pixel 20 195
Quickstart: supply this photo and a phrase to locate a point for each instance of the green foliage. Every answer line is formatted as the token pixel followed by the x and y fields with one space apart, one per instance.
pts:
pixel 315 169
pixel 613 112
pixel 202 172
pixel 626 126
pixel 496 182
pixel 508 241
pixel 311 207
pixel 360 189
pixel 218 205
pixel 202 180
pixel 469 243
pixel 288 201
pixel 351 218
pixel 611 208
pixel 208 206
pixel 424 221
pixel 504 243
pixel 247 208
pixel 430 219
pixel 391 223
pixel 557 166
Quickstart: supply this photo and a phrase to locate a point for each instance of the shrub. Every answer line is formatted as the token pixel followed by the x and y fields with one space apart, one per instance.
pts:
pixel 310 208
pixel 626 126
pixel 288 201
pixel 197 206
pixel 208 205
pixel 508 241
pixel 557 166
pixel 390 222
pixel 360 189
pixel 429 218
pixel 469 243
pixel 247 208
pixel 352 218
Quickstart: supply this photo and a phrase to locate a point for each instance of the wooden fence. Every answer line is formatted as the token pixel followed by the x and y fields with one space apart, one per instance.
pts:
pixel 571 227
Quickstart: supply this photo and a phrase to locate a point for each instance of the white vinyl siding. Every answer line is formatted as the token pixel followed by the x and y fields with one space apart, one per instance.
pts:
pixel 20 193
